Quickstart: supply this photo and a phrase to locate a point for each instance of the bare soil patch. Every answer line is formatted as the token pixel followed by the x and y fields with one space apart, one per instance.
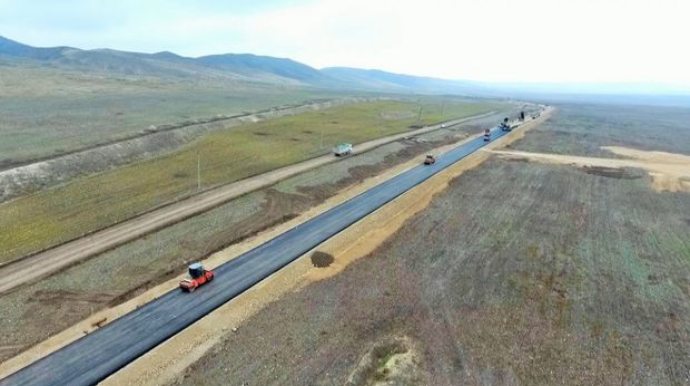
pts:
pixel 393 361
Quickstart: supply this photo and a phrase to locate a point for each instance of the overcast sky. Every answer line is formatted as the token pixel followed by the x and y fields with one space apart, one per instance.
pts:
pixel 489 40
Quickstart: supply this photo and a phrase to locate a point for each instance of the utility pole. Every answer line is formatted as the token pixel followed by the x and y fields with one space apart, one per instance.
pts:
pixel 198 171
pixel 419 116
pixel 321 146
pixel 443 107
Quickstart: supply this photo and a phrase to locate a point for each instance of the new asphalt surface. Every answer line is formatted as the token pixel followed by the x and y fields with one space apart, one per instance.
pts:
pixel 94 357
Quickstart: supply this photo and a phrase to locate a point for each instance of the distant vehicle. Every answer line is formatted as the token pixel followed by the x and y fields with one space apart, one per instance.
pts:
pixel 505 125
pixel 429 159
pixel 199 276
pixel 443 125
pixel 342 149
pixel 487 135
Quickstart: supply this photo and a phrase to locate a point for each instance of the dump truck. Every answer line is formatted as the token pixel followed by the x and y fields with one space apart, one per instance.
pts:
pixel 429 159
pixel 487 135
pixel 198 277
pixel 342 149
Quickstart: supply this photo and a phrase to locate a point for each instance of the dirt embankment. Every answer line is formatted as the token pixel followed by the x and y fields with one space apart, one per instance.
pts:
pixel 24 179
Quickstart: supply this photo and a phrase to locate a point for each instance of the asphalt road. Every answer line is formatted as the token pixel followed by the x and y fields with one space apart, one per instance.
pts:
pixel 34 267
pixel 103 352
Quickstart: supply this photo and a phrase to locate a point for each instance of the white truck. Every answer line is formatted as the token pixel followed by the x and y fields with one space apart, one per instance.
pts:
pixel 342 149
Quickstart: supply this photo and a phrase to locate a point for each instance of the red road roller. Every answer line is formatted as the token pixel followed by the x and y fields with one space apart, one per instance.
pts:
pixel 199 276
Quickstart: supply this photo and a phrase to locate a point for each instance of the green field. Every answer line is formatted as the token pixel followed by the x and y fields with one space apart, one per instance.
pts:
pixel 50 112
pixel 64 212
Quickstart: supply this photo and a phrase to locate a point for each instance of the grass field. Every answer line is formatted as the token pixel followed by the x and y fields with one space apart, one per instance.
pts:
pixel 584 129
pixel 519 274
pixel 50 112
pixel 58 214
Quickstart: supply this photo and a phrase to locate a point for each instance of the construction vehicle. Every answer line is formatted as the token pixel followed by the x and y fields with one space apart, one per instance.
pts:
pixel 505 125
pixel 487 135
pixel 199 276
pixel 342 149
pixel 430 159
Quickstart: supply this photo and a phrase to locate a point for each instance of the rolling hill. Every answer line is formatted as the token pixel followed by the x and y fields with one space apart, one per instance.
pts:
pixel 271 71
pixel 386 80
pixel 242 67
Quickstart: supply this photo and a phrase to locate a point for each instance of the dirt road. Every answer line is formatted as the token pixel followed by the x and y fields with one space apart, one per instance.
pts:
pixel 669 172
pixel 44 263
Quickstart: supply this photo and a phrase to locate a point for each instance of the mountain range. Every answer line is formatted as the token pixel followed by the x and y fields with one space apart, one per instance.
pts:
pixel 240 67
pixel 283 71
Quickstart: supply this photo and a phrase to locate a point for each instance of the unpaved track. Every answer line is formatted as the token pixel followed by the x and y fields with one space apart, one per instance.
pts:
pixel 668 171
pixel 44 263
